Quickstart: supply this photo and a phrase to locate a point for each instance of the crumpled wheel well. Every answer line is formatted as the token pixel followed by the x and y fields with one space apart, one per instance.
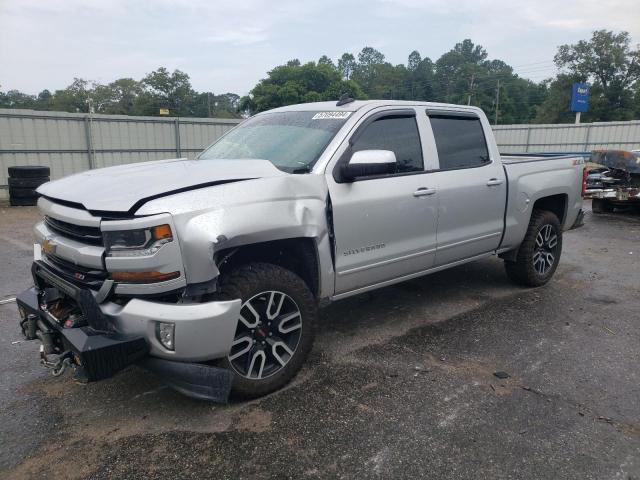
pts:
pixel 300 255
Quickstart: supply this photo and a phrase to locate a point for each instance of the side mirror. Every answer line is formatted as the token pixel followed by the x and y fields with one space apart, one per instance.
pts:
pixel 369 162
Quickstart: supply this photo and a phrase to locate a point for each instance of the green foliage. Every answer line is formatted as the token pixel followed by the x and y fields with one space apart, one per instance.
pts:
pixel 555 108
pixel 612 68
pixel 346 65
pixel 295 83
pixel 126 96
pixel 463 75
pixel 74 98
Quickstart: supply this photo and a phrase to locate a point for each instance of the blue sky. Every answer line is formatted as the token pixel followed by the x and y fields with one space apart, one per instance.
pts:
pixel 228 46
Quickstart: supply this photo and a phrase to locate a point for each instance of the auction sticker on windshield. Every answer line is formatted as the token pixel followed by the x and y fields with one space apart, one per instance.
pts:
pixel 331 115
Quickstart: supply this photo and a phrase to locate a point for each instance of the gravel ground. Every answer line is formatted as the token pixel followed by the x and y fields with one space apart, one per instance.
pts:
pixel 400 384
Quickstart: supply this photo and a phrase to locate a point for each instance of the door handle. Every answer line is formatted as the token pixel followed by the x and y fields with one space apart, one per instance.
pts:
pixel 494 181
pixel 423 192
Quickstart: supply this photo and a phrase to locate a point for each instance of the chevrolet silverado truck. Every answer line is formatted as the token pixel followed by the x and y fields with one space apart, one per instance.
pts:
pixel 209 272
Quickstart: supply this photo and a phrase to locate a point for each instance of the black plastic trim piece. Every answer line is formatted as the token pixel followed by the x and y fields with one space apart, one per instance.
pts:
pixel 443 112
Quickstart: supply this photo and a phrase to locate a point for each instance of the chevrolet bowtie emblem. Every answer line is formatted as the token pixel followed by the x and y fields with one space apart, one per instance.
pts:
pixel 48 246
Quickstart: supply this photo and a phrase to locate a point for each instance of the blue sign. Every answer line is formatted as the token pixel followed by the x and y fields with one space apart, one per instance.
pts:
pixel 580 97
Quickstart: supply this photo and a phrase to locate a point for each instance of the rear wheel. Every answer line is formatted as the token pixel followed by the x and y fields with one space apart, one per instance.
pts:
pixel 275 330
pixel 600 205
pixel 539 254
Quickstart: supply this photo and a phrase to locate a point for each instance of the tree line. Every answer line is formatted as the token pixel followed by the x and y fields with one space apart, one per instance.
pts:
pixel 463 75
pixel 158 90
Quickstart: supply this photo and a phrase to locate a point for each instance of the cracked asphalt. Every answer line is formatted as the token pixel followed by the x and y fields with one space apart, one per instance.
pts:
pixel 400 384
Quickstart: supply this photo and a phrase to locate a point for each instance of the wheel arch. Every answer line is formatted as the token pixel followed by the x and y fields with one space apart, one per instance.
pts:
pixel 299 255
pixel 556 204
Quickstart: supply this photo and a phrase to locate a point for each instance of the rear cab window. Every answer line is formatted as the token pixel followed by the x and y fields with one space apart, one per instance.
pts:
pixel 460 141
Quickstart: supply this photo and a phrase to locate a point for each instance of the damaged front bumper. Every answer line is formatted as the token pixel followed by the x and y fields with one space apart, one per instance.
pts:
pixel 100 339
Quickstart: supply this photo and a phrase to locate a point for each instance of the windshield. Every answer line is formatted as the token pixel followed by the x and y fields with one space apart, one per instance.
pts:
pixel 292 141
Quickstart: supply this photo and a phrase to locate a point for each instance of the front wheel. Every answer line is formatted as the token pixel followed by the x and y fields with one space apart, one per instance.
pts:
pixel 275 329
pixel 539 254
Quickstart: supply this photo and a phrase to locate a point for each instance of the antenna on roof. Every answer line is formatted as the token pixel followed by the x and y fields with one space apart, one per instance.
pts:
pixel 344 99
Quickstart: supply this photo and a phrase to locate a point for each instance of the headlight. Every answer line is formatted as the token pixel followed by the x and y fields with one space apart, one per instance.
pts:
pixel 136 243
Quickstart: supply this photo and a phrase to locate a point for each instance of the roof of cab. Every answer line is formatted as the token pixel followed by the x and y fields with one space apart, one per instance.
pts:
pixel 357 104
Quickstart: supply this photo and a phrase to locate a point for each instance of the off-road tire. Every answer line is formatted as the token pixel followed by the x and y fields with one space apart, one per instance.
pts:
pixel 15 192
pixel 245 282
pixel 29 171
pixel 23 202
pixel 600 205
pixel 32 182
pixel 522 270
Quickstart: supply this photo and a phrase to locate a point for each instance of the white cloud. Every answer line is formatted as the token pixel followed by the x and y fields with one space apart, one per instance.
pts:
pixel 517 14
pixel 229 45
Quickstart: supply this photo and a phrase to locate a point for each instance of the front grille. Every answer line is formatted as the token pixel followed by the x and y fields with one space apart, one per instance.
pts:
pixel 76 274
pixel 90 235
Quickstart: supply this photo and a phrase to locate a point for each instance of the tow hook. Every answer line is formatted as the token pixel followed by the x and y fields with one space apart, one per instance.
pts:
pixel 57 366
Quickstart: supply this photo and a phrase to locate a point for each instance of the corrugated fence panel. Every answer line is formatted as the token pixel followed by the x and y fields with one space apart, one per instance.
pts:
pixel 109 159
pixel 73 142
pixel 568 137
pixel 61 140
pixel 196 135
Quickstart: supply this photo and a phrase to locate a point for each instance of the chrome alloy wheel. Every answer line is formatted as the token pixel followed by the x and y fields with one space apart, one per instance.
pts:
pixel 267 335
pixel 544 253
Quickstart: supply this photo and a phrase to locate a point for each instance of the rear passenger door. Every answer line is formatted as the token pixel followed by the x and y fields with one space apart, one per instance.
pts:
pixel 471 186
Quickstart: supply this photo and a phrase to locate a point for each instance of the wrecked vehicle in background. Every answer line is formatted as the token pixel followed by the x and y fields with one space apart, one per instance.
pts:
pixel 619 184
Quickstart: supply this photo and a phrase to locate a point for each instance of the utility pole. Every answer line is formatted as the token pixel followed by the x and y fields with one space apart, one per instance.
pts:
pixel 495 122
pixel 209 104
pixel 470 89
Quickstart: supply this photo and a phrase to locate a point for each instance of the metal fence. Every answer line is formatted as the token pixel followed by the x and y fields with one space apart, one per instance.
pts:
pixel 73 142
pixel 568 137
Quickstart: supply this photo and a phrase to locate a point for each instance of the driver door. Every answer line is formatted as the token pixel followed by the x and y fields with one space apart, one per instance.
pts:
pixel 384 225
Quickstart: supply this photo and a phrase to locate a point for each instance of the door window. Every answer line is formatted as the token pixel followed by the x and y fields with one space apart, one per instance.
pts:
pixel 398 133
pixel 460 141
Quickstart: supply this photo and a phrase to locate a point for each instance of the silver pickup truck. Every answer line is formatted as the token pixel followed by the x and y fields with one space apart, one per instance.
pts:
pixel 209 272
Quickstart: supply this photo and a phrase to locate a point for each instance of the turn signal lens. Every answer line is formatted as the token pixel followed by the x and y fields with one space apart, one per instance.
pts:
pixel 162 231
pixel 143 277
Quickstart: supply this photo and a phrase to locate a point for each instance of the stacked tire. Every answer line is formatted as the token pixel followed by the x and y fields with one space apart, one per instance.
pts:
pixel 23 182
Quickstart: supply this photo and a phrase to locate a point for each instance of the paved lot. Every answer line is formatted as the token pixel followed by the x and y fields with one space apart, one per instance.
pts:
pixel 400 384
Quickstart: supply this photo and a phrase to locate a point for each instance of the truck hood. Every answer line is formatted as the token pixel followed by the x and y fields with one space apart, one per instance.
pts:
pixel 125 188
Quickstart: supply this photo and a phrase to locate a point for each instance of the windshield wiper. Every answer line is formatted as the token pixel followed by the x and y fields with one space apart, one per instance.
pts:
pixel 305 169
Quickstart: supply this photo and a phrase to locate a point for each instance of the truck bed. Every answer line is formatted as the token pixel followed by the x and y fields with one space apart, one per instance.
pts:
pixel 514 158
pixel 532 176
